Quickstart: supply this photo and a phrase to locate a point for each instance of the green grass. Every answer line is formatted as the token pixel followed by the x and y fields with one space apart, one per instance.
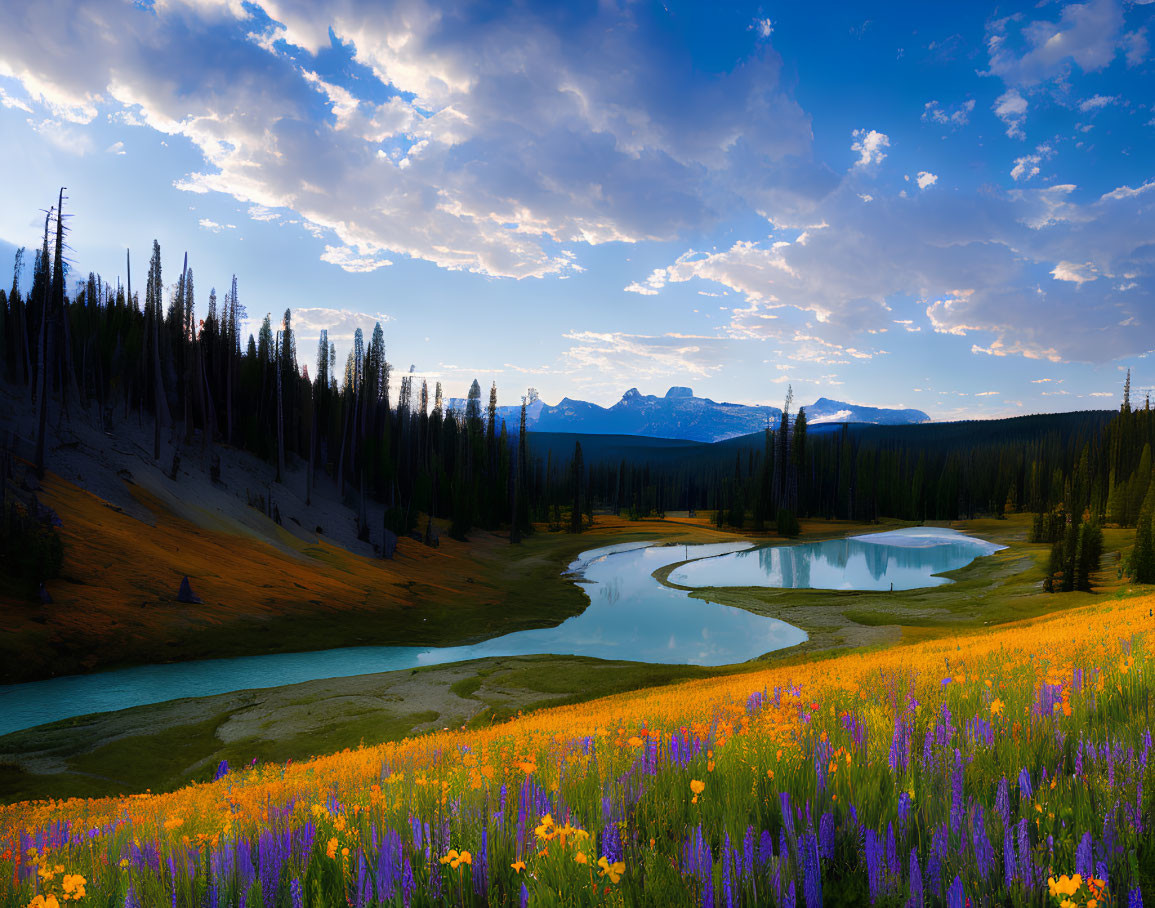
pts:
pixel 163 746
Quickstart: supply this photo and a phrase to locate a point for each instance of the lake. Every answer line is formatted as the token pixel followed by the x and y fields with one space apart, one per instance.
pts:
pixel 630 616
pixel 904 559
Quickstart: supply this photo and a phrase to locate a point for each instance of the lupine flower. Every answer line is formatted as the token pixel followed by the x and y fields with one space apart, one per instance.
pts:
pixel 956 897
pixel 915 900
pixel 812 877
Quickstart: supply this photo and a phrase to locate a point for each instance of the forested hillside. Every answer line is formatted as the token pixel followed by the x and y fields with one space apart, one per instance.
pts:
pixel 166 358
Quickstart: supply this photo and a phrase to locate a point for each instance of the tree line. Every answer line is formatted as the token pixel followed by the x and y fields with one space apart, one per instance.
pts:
pixel 162 357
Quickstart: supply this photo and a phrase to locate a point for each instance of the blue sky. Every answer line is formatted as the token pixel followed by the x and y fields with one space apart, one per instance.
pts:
pixel 943 206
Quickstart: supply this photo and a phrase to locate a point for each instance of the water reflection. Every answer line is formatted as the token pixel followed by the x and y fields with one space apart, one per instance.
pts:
pixel 630 616
pixel 899 559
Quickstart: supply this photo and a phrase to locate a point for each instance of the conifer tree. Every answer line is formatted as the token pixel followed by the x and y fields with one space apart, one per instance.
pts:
pixel 578 469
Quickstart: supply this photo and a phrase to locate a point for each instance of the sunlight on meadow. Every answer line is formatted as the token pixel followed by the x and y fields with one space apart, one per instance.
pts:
pixel 1011 764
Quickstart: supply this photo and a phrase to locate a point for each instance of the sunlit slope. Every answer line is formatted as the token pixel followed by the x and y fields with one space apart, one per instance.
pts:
pixel 940 770
pixel 266 588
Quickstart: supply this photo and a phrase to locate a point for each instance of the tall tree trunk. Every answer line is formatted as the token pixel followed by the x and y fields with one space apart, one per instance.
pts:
pixel 42 369
pixel 312 453
pixel 280 430
pixel 341 458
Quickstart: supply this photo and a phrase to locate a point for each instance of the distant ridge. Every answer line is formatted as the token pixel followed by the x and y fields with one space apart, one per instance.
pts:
pixel 680 415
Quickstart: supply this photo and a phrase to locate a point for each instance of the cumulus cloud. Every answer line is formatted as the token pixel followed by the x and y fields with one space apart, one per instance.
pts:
pixel 1011 108
pixel 501 139
pixel 871 146
pixel 925 179
pixel 983 265
pixel 954 117
pixel 1074 272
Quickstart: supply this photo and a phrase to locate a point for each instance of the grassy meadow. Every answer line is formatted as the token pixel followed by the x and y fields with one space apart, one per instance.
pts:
pixel 982 768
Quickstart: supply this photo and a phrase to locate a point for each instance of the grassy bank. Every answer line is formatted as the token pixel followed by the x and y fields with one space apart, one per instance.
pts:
pixel 970 769
pixel 168 744
pixel 268 590
pixel 1005 586
pixel 164 746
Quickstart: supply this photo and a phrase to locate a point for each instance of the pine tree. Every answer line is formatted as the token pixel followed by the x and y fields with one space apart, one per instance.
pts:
pixel 578 470
pixel 1143 553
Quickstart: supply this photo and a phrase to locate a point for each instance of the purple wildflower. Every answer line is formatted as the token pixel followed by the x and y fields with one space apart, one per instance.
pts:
pixel 1009 869
pixel 1135 899
pixel 915 900
pixel 873 860
pixel 1003 803
pixel 812 876
pixel 957 805
pixel 727 886
pixel 1083 856
pixel 956 898
pixel 826 836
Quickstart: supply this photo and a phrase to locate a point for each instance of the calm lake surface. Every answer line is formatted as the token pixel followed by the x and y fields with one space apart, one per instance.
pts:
pixel 630 616
pixel 908 559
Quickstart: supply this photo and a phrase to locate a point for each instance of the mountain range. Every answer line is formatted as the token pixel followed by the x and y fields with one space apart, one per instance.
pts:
pixel 679 414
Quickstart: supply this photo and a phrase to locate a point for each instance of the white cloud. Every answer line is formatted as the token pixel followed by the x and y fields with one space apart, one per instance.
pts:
pixel 353 260
pixel 64 135
pixel 1097 102
pixel 1027 167
pixel 1074 273
pixel 1011 108
pixel 308 322
pixel 871 147
pixel 975 261
pixel 954 117
pixel 211 225
pixel 608 360
pixel 8 101
pixel 505 137
pixel 764 27
pixel 925 179
pixel 1088 35
pixel 261 213
pixel 116 148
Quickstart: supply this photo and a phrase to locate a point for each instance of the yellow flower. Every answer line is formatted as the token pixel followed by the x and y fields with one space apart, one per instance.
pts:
pixel 997 707
pixel 580 858
pixel 331 848
pixel 697 787
pixel 518 866
pixel 545 830
pixel 614 871
pixel 42 901
pixel 74 885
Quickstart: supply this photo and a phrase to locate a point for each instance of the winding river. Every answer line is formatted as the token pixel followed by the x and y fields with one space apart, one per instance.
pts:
pixel 630 616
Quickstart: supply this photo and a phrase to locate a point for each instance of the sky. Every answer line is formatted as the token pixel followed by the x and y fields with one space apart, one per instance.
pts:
pixel 948 206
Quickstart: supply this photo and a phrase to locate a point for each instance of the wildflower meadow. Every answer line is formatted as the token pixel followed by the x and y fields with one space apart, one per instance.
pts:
pixel 1008 766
